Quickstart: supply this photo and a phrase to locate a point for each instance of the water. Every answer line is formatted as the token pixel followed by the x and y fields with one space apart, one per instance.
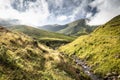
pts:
pixel 86 69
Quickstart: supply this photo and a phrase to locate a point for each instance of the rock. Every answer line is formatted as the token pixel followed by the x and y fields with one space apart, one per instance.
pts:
pixel 108 74
pixel 114 78
pixel 114 74
pixel 119 77
pixel 111 76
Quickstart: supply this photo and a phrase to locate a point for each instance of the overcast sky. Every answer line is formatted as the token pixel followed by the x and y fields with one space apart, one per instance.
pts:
pixel 43 12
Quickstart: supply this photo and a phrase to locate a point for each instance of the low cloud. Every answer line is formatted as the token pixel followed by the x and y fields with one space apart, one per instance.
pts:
pixel 107 9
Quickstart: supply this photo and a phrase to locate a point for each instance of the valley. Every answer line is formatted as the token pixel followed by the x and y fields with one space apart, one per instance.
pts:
pixel 59 39
pixel 75 28
pixel 23 58
pixel 100 50
pixel 28 53
pixel 48 38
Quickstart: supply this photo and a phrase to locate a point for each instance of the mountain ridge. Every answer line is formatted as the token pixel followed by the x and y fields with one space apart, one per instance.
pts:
pixel 75 28
pixel 100 49
pixel 48 38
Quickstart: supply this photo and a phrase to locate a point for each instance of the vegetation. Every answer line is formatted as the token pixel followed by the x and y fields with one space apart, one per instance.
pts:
pixel 22 58
pixel 76 28
pixel 100 49
pixel 44 37
pixel 53 28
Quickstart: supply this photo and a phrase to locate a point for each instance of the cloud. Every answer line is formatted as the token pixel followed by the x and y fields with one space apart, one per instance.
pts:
pixel 80 11
pixel 61 18
pixel 43 12
pixel 34 16
pixel 107 9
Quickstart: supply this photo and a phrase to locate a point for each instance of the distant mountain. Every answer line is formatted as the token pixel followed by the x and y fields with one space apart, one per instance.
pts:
pixel 78 27
pixel 100 49
pixel 75 28
pixel 49 38
pixel 6 23
pixel 53 28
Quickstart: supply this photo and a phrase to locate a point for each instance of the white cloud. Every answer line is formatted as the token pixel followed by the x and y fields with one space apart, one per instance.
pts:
pixel 61 18
pixel 35 16
pixel 44 12
pixel 79 11
pixel 107 10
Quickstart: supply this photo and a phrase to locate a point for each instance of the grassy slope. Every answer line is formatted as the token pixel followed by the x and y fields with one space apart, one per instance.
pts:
pixel 77 28
pixel 22 58
pixel 53 28
pixel 50 39
pixel 39 34
pixel 101 49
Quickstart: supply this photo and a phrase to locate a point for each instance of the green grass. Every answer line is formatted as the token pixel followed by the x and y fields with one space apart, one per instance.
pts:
pixel 37 33
pixel 45 37
pixel 77 28
pixel 100 49
pixel 22 58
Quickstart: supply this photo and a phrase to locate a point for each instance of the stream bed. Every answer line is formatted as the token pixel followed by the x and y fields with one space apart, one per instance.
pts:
pixel 86 69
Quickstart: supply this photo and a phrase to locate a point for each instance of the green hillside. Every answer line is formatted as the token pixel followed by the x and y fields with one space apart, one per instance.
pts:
pixel 53 28
pixel 49 38
pixel 77 28
pixel 37 33
pixel 22 58
pixel 100 49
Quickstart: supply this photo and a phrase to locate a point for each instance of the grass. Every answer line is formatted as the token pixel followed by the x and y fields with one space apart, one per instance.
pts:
pixel 23 58
pixel 37 33
pixel 77 28
pixel 100 49
pixel 44 37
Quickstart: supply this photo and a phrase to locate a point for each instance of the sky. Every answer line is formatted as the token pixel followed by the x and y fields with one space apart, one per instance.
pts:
pixel 44 12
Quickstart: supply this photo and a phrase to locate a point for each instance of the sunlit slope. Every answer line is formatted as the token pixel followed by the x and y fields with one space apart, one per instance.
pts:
pixel 53 28
pixel 50 39
pixel 77 28
pixel 22 58
pixel 39 34
pixel 101 49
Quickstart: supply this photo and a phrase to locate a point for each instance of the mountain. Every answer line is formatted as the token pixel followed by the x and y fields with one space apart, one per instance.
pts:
pixel 100 49
pixel 49 6
pixel 22 58
pixel 49 38
pixel 78 27
pixel 8 22
pixel 53 28
pixel 75 28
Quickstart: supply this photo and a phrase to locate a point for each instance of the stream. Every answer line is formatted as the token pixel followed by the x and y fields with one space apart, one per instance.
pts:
pixel 86 69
